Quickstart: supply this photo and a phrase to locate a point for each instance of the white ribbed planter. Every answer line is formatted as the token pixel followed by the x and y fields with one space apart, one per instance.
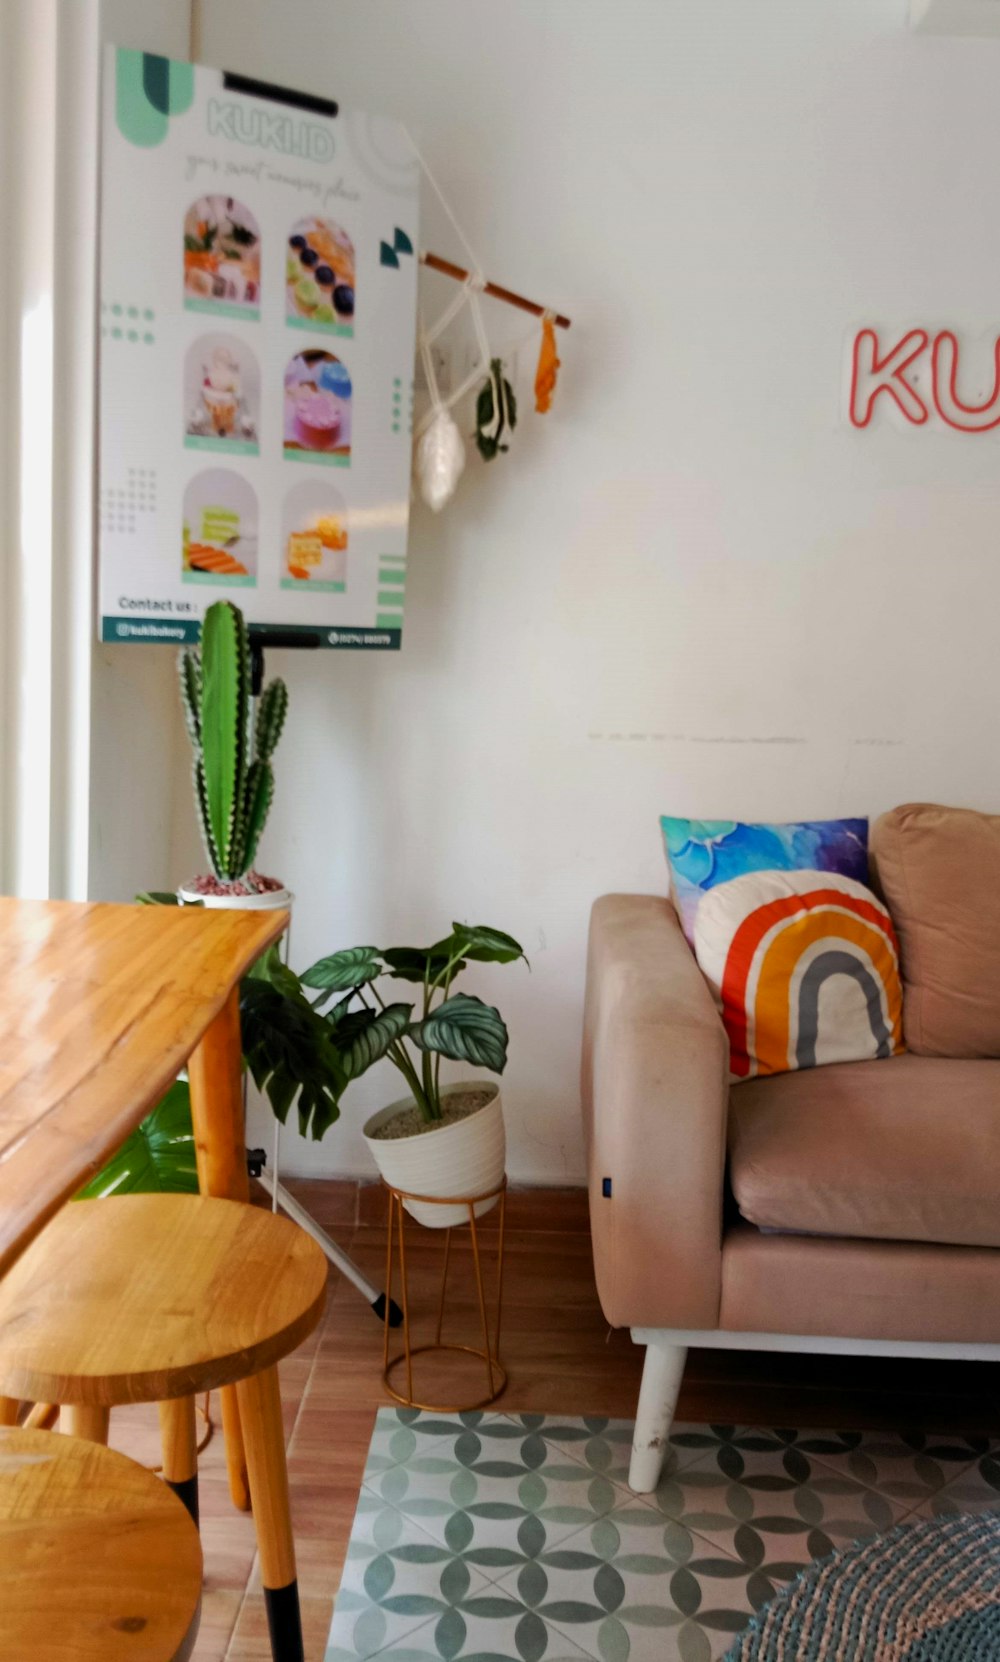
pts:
pixel 463 1159
pixel 270 902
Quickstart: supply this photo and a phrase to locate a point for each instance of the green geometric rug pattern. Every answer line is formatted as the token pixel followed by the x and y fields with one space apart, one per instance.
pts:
pixel 515 1538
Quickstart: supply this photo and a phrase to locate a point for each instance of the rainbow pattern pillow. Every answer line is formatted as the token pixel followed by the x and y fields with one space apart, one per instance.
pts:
pixel 805 968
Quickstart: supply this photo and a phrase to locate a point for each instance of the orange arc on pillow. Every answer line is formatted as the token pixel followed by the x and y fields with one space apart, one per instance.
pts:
pixel 836 915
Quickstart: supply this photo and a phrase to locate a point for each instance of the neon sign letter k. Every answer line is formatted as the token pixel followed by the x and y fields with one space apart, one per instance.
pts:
pixel 872 375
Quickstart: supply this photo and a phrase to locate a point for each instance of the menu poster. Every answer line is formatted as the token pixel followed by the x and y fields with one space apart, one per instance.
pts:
pixel 258 311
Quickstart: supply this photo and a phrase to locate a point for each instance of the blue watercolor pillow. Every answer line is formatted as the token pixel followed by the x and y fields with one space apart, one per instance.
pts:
pixel 702 853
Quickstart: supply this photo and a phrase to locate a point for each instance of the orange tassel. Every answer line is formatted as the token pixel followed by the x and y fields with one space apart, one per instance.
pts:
pixel 548 367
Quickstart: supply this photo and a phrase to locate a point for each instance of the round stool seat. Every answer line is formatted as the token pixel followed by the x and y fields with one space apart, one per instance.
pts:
pixel 142 1298
pixel 98 1560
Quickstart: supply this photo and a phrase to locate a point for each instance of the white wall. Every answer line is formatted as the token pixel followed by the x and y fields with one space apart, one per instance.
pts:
pixel 690 588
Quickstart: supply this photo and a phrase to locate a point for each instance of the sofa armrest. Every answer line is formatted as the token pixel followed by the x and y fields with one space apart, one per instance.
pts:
pixel 655 1095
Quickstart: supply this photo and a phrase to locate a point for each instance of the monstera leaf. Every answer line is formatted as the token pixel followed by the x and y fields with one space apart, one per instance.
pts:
pixel 289 1050
pixel 465 1029
pixel 158 1158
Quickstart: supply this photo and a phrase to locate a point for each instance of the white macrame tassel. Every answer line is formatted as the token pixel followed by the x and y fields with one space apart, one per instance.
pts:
pixel 438 461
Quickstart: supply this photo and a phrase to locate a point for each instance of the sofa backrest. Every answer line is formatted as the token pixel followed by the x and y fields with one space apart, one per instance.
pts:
pixel 939 871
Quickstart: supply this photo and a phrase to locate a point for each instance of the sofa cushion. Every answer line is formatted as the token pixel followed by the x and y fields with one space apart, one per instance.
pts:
pixel 939 870
pixel 896 1290
pixel 902 1150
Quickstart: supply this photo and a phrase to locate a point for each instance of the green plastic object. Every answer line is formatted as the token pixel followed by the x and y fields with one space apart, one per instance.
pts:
pixel 158 1158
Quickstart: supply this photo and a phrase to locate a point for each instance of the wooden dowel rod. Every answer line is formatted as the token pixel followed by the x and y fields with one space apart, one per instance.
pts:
pixel 448 269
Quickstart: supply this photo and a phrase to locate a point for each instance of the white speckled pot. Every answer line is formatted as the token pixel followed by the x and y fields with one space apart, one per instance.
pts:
pixel 269 902
pixel 467 1158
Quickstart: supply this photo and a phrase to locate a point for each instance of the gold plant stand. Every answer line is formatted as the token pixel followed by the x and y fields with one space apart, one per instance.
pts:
pixel 495 1373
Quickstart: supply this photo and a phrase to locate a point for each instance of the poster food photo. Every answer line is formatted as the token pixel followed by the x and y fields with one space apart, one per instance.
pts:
pixel 258 307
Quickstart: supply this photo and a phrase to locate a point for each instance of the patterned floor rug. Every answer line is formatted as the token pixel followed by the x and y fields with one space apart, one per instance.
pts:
pixel 926 1592
pixel 515 1538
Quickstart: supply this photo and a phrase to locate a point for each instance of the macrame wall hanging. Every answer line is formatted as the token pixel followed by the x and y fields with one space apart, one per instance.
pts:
pixel 439 453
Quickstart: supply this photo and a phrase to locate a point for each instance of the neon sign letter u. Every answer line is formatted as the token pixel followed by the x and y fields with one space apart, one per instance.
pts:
pixel 967 418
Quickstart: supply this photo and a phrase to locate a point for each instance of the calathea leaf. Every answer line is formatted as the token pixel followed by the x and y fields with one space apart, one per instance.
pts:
pixel 365 1036
pixel 486 946
pixel 465 1029
pixel 340 1009
pixel 414 963
pixel 353 967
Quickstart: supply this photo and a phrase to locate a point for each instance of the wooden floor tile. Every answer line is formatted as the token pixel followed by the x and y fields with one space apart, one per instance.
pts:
pixel 250 1643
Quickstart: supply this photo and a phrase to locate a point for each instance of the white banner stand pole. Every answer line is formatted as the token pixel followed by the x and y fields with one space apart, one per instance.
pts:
pixel 269 1181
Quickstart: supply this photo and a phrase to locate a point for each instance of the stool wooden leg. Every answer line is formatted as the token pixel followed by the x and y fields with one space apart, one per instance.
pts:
pixel 260 1409
pixel 85 1420
pixel 44 1416
pixel 215 1074
pixel 9 1407
pixel 179 1440
pixel 236 1460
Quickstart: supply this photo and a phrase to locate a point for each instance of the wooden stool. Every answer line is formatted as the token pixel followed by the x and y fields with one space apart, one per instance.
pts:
pixel 154 1298
pixel 98 1561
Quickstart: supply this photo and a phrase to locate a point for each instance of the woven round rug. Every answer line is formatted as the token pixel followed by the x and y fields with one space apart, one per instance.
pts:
pixel 925 1592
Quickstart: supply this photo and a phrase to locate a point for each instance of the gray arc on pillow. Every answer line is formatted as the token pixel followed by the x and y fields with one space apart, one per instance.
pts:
pixel 821 968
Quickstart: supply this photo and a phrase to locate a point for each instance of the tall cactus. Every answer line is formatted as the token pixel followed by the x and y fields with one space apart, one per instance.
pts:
pixel 233 790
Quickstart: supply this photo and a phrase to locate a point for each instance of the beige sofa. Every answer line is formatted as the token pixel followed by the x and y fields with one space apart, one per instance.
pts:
pixel 853 1207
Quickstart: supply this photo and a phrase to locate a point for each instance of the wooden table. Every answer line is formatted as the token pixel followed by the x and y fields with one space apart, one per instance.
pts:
pixel 100 1008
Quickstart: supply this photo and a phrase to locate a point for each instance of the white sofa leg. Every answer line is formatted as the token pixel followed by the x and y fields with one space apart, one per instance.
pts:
pixel 662 1372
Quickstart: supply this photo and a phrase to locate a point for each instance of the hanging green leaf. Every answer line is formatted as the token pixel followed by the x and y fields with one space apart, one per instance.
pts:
pixel 158 897
pixel 158 1158
pixel 465 1029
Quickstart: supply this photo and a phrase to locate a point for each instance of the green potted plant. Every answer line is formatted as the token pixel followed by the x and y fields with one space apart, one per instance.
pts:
pixel 233 739
pixel 441 1141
